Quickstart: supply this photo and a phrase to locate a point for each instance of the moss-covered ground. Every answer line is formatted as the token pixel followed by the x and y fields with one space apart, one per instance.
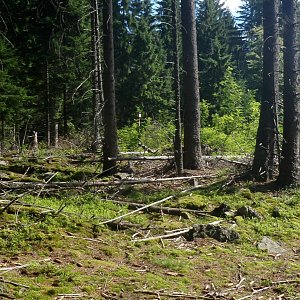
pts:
pixel 54 245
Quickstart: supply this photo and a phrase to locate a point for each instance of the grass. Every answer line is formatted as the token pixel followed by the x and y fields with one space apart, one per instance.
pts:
pixel 87 258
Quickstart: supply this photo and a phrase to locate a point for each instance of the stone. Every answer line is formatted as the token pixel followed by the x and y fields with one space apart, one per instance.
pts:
pixel 276 213
pixel 221 210
pixel 270 246
pixel 248 212
pixel 216 232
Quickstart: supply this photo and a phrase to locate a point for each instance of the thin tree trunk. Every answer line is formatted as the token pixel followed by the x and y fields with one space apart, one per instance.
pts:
pixel 65 111
pixel 48 109
pixel 110 142
pixel 263 163
pixel 177 94
pixel 2 136
pixel 96 76
pixel 192 148
pixel 289 173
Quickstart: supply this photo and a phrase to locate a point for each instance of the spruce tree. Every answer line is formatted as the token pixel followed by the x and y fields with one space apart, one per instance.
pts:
pixel 263 163
pixel 192 147
pixel 143 83
pixel 217 36
pixel 289 169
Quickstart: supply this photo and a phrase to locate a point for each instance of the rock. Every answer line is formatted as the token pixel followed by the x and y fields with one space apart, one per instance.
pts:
pixel 221 210
pixel 276 213
pixel 217 232
pixel 271 246
pixel 248 212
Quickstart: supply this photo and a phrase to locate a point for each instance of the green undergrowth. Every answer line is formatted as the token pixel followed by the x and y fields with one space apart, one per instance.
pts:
pixel 67 250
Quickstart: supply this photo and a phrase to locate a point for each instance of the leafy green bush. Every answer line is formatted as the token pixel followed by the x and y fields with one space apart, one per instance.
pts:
pixel 152 134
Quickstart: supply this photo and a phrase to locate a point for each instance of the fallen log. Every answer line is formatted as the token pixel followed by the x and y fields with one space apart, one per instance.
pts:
pixel 89 184
pixel 181 212
pixel 182 193
pixel 138 158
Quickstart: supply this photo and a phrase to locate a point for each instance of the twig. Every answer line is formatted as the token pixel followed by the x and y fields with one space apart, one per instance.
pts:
pixel 46 183
pixel 172 295
pixel 166 210
pixel 70 296
pixel 86 239
pixel 6 296
pixel 255 292
pixel 14 283
pixel 152 204
pixel 8 269
pixel 174 234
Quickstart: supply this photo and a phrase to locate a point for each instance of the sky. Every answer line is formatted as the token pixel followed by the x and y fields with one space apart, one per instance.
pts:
pixel 233 5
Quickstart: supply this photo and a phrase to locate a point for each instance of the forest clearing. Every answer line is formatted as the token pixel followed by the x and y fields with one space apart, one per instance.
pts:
pixel 66 241
pixel 149 150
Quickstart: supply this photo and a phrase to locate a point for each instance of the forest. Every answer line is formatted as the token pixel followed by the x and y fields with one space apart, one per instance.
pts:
pixel 149 149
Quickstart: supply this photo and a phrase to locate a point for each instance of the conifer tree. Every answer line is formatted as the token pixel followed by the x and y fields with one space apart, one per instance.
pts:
pixel 218 40
pixel 192 147
pixel 110 141
pixel 263 163
pixel 289 169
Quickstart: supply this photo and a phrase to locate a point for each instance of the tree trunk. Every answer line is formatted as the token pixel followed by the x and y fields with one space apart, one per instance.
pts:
pixel 2 136
pixel 110 142
pixel 192 147
pixel 65 112
pixel 96 76
pixel 289 173
pixel 177 95
pixel 267 134
pixel 48 104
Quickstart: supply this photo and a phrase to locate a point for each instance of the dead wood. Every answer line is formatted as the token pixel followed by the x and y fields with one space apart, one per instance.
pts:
pixel 153 204
pixel 14 283
pixel 6 296
pixel 181 212
pixel 179 295
pixel 141 158
pixel 15 185
pixel 122 225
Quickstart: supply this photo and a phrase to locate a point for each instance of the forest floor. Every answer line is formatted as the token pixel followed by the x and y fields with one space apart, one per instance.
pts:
pixel 55 242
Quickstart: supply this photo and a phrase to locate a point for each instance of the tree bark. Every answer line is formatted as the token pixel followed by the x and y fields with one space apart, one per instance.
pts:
pixel 192 147
pixel 289 173
pixel 110 142
pixel 267 134
pixel 177 94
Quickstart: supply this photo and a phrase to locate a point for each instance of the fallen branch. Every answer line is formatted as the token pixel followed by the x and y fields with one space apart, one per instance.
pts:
pixel 14 283
pixel 182 212
pixel 143 158
pixel 177 233
pixel 172 295
pixel 89 184
pixel 166 236
pixel 152 204
pixel 255 292
pixel 6 296
pixel 8 269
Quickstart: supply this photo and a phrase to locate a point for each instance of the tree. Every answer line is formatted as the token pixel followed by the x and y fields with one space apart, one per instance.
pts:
pixel 110 143
pixel 250 24
pixel 143 82
pixel 263 163
pixel 177 94
pixel 215 32
pixel 98 97
pixel 192 147
pixel 289 169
